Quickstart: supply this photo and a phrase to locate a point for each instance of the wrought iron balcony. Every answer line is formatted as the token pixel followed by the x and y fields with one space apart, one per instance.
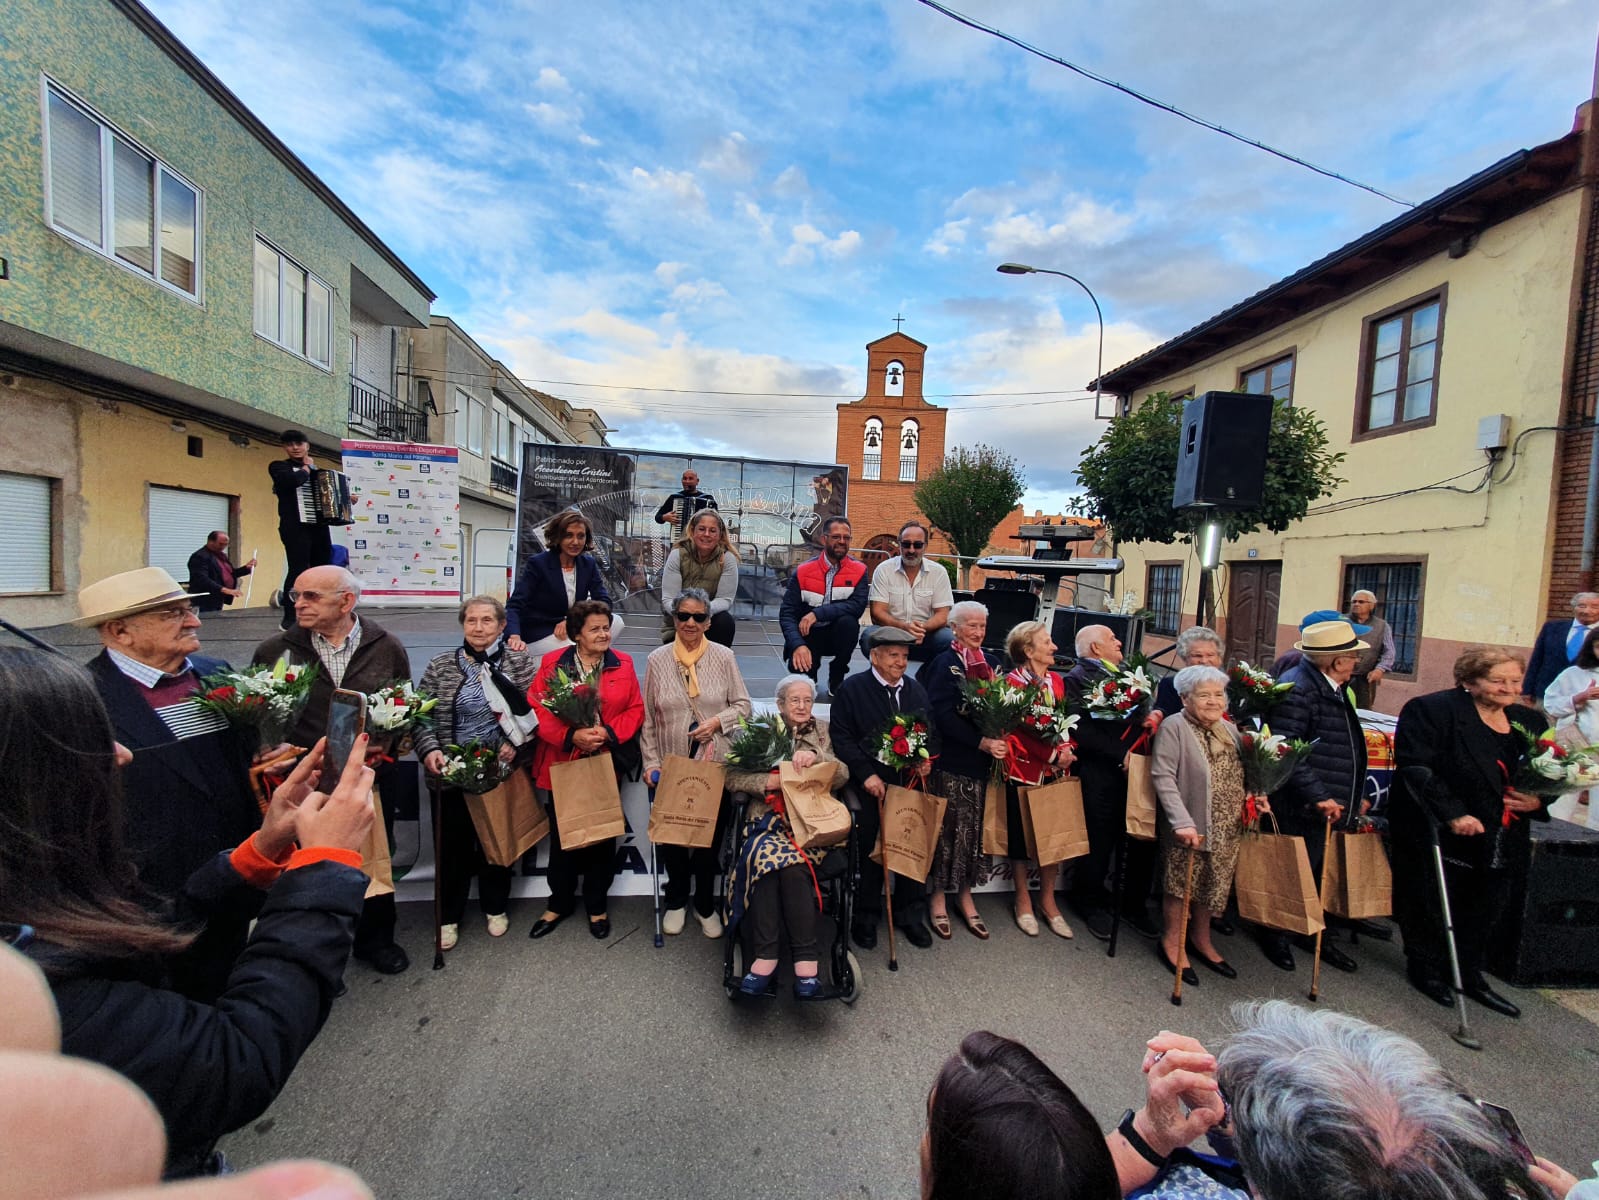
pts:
pixel 376 414
pixel 502 475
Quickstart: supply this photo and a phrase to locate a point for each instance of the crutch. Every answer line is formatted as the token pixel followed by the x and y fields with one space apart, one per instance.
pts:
pixel 1315 967
pixel 655 884
pixel 1182 937
pixel 438 884
pixel 888 886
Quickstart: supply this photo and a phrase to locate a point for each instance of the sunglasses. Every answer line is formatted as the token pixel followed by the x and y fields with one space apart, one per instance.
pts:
pixel 295 595
pixel 904 545
pixel 697 618
pixel 178 612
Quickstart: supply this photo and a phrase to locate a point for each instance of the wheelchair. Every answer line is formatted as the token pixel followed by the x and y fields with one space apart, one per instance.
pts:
pixel 839 969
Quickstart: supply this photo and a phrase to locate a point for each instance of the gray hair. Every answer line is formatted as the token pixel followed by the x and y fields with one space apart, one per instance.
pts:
pixel 1088 635
pixel 1327 1105
pixel 788 682
pixel 1198 633
pixel 966 608
pixel 484 600
pixel 1189 678
pixel 1363 594
pixel 1581 596
pixel 698 595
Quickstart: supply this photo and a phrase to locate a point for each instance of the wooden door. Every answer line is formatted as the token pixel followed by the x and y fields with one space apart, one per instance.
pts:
pixel 1253 586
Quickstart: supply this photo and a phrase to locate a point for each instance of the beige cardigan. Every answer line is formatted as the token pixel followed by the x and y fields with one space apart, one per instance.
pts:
pixel 1181 773
pixel 668 710
pixel 754 782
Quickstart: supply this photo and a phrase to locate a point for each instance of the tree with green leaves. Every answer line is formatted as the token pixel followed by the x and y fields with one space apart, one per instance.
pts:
pixel 1129 473
pixel 968 496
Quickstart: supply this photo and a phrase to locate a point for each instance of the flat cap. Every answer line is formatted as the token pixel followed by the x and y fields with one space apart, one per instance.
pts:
pixel 888 635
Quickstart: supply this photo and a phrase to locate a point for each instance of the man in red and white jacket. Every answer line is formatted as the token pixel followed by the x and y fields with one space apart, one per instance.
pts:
pixel 822 606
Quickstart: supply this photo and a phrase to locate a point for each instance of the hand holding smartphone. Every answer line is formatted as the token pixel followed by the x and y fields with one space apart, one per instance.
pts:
pixel 346 722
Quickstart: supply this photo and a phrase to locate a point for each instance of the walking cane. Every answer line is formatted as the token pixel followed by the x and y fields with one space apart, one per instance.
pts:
pixel 1315 967
pixel 655 884
pixel 249 584
pixel 438 878
pixel 1182 936
pixel 1118 888
pixel 888 886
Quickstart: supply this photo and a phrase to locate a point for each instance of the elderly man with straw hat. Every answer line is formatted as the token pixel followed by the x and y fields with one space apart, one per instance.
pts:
pixel 186 792
pixel 1330 782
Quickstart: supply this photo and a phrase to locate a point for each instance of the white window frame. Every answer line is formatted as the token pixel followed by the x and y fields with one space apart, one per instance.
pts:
pixel 463 417
pixel 52 546
pixel 311 279
pixel 476 420
pixel 105 247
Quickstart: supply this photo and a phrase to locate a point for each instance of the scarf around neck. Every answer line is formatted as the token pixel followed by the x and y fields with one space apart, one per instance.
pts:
pixel 975 662
pixel 688 660
pixel 515 697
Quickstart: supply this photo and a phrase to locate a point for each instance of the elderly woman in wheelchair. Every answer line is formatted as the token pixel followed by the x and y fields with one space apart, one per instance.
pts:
pixel 774 883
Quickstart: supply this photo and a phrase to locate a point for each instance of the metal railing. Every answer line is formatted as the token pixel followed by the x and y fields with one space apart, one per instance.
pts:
pixel 373 411
pixel 502 475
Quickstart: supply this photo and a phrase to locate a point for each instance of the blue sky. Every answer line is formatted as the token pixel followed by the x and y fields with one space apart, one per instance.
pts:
pixel 739 196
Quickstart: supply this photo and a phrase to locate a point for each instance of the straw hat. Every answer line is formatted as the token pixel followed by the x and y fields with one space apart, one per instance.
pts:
pixel 125 594
pixel 1329 637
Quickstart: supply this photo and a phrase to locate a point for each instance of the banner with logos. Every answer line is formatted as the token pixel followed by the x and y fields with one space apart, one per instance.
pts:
pixel 405 544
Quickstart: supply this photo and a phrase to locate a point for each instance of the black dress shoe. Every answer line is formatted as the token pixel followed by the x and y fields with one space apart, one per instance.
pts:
pixel 918 935
pixel 864 934
pixel 1190 977
pixel 1222 926
pixel 1433 988
pixel 1373 929
pixel 1488 998
pixel 1219 965
pixel 1140 923
pixel 385 960
pixel 1098 922
pixel 601 929
pixel 1277 953
pixel 544 926
pixel 1334 957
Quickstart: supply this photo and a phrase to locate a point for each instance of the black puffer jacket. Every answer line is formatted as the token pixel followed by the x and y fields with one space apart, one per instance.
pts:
pixel 1336 768
pixel 211 1068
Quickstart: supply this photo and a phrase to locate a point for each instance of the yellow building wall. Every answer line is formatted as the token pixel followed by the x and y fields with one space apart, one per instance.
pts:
pixel 1487 554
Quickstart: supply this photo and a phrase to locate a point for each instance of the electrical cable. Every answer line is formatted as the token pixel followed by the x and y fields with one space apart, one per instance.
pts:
pixel 970 23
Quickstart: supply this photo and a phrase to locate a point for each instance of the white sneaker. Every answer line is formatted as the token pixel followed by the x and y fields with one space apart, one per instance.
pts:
pixel 449 935
pixel 498 924
pixel 712 925
pixel 672 923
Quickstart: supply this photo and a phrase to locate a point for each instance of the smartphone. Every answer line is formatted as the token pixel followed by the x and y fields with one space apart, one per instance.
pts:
pixel 346 722
pixel 1506 1121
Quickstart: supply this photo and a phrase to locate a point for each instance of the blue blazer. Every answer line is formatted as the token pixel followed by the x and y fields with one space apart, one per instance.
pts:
pixel 1548 658
pixel 539 602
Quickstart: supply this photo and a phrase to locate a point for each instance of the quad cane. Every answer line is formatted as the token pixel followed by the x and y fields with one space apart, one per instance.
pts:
pixel 655 884
pixel 1315 967
pixel 1182 936
pixel 438 881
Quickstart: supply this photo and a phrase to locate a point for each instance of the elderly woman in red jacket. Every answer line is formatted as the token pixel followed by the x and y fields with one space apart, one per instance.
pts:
pixel 588 625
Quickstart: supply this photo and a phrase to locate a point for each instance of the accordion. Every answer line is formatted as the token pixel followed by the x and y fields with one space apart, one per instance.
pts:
pixel 325 499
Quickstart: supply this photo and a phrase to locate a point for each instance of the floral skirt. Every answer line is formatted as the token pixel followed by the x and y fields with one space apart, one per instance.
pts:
pixel 958 861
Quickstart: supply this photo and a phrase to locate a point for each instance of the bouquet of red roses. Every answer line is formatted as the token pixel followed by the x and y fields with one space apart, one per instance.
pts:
pixel 474 768
pixel 269 699
pixel 575 698
pixel 1268 759
pixel 1046 720
pixel 1252 691
pixel 1546 768
pixel 903 743
pixel 1124 692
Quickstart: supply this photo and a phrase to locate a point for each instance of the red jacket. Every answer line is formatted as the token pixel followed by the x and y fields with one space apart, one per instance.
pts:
pixel 621 708
pixel 1030 756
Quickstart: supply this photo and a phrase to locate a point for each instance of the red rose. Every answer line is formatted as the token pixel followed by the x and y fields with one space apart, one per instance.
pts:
pixel 221 693
pixel 288 677
pixel 901 746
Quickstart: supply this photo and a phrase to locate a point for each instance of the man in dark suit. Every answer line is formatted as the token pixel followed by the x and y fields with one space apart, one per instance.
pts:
pixel 1557 645
pixel 304 546
pixel 213 579
pixel 1330 782
pixel 862 709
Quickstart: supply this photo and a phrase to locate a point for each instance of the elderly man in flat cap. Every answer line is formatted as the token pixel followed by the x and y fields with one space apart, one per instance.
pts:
pixel 862 708
pixel 186 794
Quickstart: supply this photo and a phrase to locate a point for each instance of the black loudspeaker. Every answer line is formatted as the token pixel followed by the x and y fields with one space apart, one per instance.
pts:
pixel 1549 936
pixel 1068 620
pixel 1221 459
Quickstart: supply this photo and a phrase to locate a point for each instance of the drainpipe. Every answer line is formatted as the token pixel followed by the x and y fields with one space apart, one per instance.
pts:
pixel 1590 511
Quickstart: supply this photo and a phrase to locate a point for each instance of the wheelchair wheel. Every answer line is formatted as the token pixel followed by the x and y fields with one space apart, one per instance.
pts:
pixel 850 980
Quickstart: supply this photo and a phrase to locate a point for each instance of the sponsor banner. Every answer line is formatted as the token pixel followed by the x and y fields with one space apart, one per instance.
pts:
pixel 405 543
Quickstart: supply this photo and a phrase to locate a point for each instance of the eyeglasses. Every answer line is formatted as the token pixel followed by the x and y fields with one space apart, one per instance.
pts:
pixel 697 618
pixel 295 595
pixel 178 612
pixel 904 545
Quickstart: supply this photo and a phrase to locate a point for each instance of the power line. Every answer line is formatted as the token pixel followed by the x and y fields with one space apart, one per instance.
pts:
pixel 970 23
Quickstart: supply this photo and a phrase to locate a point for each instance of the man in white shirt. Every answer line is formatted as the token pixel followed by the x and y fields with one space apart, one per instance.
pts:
pixel 909 594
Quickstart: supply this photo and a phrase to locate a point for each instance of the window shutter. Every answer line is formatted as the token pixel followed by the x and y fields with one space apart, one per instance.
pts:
pixel 24 533
pixel 180 522
pixel 75 171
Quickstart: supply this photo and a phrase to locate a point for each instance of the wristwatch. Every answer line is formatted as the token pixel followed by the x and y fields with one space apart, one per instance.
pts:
pixel 1136 1141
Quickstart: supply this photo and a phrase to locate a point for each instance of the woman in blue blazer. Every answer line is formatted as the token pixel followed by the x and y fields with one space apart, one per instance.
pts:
pixel 551 582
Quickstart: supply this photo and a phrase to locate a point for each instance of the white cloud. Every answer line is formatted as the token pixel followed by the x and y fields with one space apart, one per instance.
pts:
pixel 668 272
pixel 698 292
pixel 791 183
pixel 680 187
pixel 731 158
pixel 809 241
pixel 551 80
pixel 949 236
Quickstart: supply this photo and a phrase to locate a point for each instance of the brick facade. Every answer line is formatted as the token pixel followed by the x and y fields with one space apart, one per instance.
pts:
pixel 877 508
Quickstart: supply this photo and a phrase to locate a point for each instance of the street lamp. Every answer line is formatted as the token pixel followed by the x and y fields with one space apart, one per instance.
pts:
pixel 1011 268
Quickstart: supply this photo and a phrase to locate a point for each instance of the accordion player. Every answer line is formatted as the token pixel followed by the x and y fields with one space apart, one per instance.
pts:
pixel 324 499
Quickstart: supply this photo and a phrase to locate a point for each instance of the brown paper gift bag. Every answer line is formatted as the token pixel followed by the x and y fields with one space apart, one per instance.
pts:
pixel 687 801
pixel 911 821
pixel 376 864
pixel 1359 881
pixel 1141 799
pixel 588 804
pixel 996 829
pixel 815 818
pixel 1274 883
pixel 1052 817
pixel 509 820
